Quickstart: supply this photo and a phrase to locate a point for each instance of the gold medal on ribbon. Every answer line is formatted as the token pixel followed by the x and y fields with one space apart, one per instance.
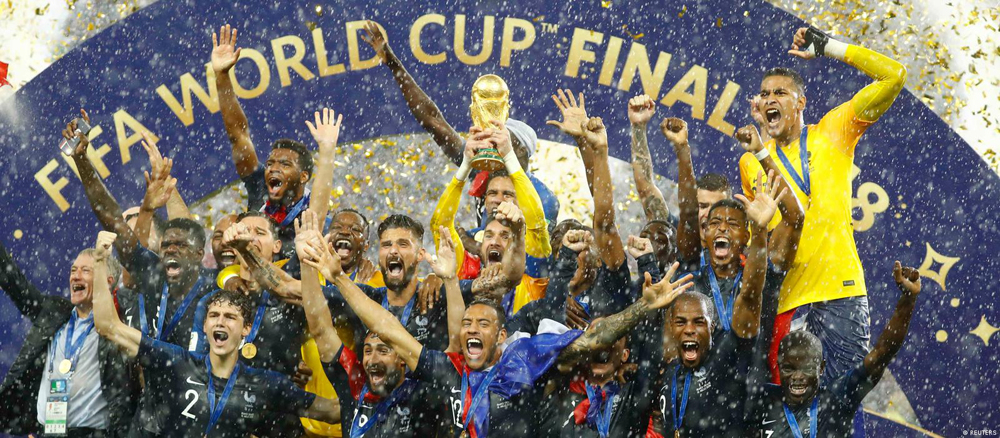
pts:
pixel 249 351
pixel 65 366
pixel 677 434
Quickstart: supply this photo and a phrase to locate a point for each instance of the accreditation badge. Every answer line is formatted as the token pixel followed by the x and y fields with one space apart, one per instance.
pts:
pixel 57 407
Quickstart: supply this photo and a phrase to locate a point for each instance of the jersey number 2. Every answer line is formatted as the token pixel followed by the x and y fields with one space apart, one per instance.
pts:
pixel 193 395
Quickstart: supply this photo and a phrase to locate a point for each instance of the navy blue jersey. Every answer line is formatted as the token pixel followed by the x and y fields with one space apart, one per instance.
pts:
pixel 257 198
pixel 182 380
pixel 836 407
pixel 717 393
pixel 409 412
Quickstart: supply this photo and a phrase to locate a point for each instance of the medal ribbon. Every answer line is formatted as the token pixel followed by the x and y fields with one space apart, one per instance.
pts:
pixel 258 319
pixel 71 347
pixel 481 391
pixel 679 414
pixel 803 181
pixel 725 310
pixel 793 424
pixel 273 210
pixel 406 310
pixel 603 419
pixel 162 333
pixel 215 408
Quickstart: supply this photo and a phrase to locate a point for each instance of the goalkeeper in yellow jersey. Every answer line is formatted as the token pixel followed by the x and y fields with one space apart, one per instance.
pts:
pixel 825 286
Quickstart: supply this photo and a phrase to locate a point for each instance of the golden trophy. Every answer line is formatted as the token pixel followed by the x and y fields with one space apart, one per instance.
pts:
pixel 490 101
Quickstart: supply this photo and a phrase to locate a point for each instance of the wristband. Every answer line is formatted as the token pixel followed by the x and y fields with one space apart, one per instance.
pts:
pixel 762 154
pixel 510 160
pixel 815 41
pixel 464 169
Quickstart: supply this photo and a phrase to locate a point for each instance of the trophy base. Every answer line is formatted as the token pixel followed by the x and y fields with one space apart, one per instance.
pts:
pixel 488 160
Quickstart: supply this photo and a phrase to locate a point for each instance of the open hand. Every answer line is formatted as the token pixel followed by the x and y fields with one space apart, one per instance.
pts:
pixel 429 292
pixel 574 114
pixel 765 201
pixel 641 109
pixel 661 294
pixel 159 184
pixel 375 38
pixel 443 263
pixel 325 131
pixel 224 50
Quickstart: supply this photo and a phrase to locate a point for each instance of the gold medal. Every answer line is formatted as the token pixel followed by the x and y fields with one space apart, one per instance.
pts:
pixel 677 434
pixel 249 350
pixel 65 366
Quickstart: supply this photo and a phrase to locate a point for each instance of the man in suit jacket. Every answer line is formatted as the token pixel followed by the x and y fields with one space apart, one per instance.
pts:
pixel 63 357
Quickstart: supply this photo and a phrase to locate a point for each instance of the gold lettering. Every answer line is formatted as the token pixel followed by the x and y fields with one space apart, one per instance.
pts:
pixel 508 45
pixel 295 62
pixel 578 52
pixel 122 120
pixel 487 49
pixel 52 188
pixel 188 86
pixel 262 68
pixel 96 157
pixel 322 63
pixel 610 61
pixel 416 29
pixel 718 116
pixel 638 61
pixel 698 77
pixel 352 45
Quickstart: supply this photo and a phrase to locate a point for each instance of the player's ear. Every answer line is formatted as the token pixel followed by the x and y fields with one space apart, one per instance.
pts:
pixel 802 102
pixel 822 366
pixel 625 354
pixel 277 245
pixel 502 336
pixel 246 330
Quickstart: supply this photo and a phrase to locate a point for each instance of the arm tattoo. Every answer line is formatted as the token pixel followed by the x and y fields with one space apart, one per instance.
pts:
pixel 262 271
pixel 656 208
pixel 640 154
pixel 606 332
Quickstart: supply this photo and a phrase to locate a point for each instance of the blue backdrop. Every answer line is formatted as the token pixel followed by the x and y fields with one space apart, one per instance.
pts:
pixel 925 197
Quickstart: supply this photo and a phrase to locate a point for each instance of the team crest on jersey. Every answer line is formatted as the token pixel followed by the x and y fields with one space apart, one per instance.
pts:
pixel 422 321
pixel 249 398
pixel 404 418
pixel 703 383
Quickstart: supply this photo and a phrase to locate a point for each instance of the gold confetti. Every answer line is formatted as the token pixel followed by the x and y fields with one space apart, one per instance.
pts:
pixel 718 22
pixel 606 3
pixel 683 11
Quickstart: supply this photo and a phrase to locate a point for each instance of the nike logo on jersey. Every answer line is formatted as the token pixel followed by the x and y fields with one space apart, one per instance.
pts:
pixel 456 391
pixel 765 422
pixel 194 383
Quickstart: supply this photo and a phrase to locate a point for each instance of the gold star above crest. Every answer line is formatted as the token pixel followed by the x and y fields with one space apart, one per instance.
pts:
pixel 942 273
pixel 984 330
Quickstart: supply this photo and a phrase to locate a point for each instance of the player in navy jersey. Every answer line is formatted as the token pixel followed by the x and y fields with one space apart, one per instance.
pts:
pixel 800 407
pixel 489 389
pixel 376 398
pixel 704 391
pixel 212 394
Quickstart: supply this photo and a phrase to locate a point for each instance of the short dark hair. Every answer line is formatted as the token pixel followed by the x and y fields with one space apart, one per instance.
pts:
pixel 729 203
pixel 241 301
pixel 700 297
pixel 271 225
pixel 798 337
pixel 364 219
pixel 402 221
pixel 305 157
pixel 714 182
pixel 788 73
pixel 189 225
pixel 485 301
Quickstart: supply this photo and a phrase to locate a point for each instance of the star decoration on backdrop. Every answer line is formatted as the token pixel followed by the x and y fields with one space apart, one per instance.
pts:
pixel 984 330
pixel 941 274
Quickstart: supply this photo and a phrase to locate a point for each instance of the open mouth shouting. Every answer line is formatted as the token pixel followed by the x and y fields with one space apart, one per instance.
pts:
pixel 275 186
pixel 721 247
pixel 343 247
pixel 689 352
pixel 172 267
pixel 474 348
pixel 219 337
pixel 394 267
pixel 227 257
pixel 76 288
pixel 798 389
pixel 494 254
pixel 376 375
pixel 773 117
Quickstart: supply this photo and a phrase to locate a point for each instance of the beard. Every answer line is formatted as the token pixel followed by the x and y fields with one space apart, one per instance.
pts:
pixel 391 381
pixel 399 285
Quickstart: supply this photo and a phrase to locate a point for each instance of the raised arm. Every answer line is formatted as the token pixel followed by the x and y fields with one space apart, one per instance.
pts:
pixel 224 57
pixel 443 265
pixel 376 318
pixel 688 229
pixel 313 252
pixel 892 337
pixel 420 104
pixel 160 187
pixel 26 297
pixel 513 261
pixel 106 319
pixel 266 274
pixel 747 306
pixel 608 330
pixel 640 111
pixel 872 101
pixel 104 205
pixel 447 206
pixel 325 132
pixel 784 240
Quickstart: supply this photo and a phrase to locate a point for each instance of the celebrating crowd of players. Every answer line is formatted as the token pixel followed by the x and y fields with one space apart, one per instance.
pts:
pixel 747 316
